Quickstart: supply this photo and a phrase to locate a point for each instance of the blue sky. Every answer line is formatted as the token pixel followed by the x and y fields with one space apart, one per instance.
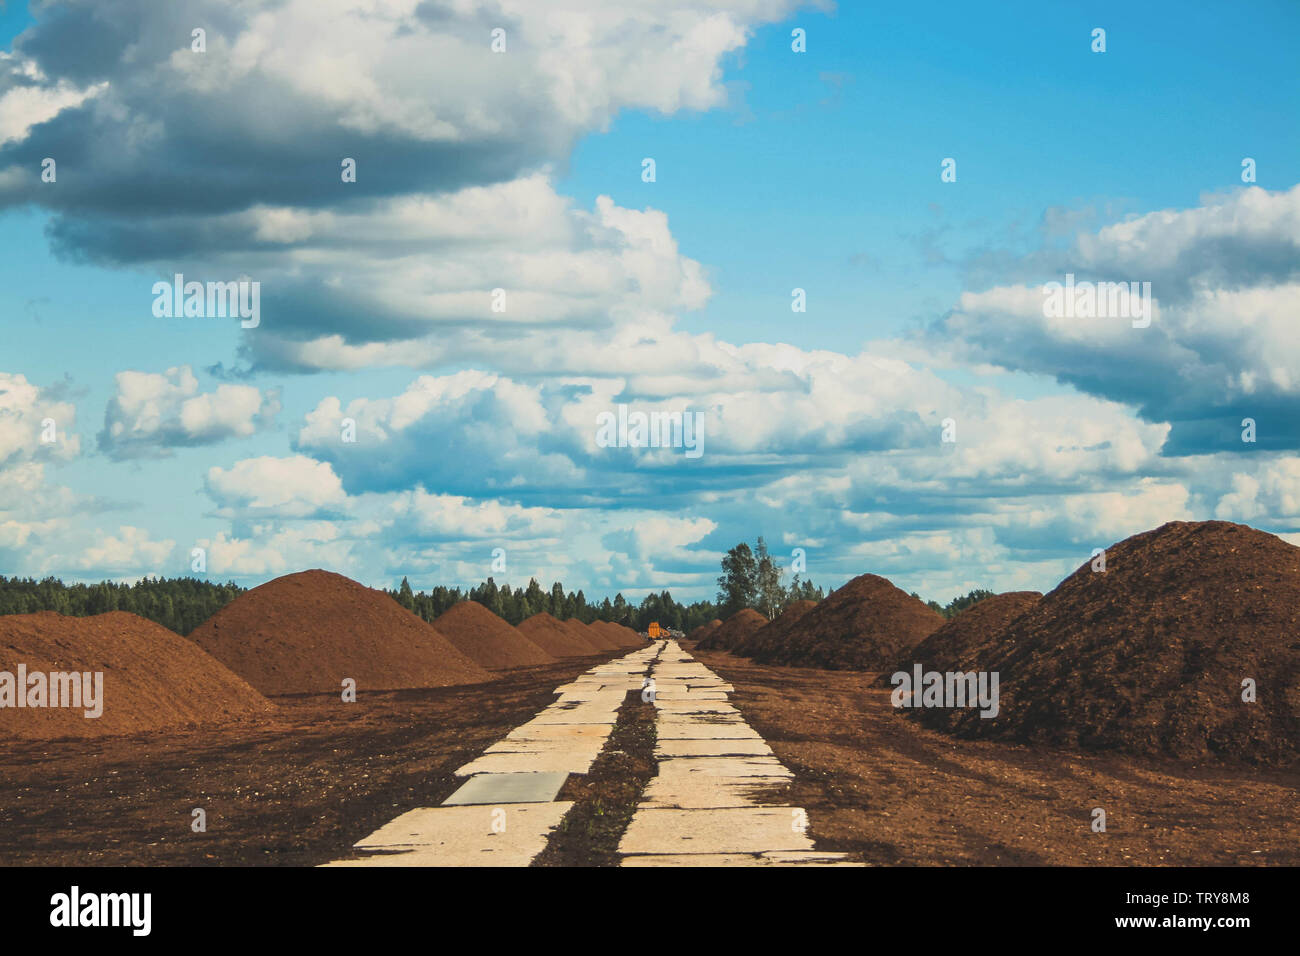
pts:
pixel 774 170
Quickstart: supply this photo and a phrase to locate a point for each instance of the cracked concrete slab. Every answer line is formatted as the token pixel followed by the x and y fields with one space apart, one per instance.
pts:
pixel 714 830
pixel 507 835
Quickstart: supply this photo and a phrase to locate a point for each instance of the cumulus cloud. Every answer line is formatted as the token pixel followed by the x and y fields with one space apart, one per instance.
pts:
pixel 128 550
pixel 28 98
pixel 1221 346
pixel 34 425
pixel 441 517
pixel 151 414
pixel 295 487
pixel 268 549
pixel 409 88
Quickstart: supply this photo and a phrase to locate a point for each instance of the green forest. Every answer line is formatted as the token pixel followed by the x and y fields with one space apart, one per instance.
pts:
pixel 750 578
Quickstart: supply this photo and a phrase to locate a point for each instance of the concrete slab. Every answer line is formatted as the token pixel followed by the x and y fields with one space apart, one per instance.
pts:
pixel 462 836
pixel 562 761
pixel 696 707
pixel 716 747
pixel 585 715
pixel 724 766
pixel 704 730
pixel 543 745
pixel 809 858
pixel 531 731
pixel 727 830
pixel 701 791
pixel 501 788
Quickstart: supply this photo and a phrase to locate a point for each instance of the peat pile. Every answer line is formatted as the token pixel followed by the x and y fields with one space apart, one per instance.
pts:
pixel 486 639
pixel 733 630
pixel 554 638
pixel 865 625
pixel 1149 657
pixel 304 633
pixel 605 639
pixel 969 636
pixel 703 631
pixel 153 679
pixel 623 635
pixel 775 632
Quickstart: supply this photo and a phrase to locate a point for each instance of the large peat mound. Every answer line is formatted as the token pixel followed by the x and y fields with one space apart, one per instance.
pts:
pixel 602 638
pixel 703 631
pixel 153 679
pixel 556 639
pixel 305 633
pixel 865 625
pixel 733 630
pixel 1150 656
pixel 623 635
pixel 774 632
pixel 966 637
pixel 487 639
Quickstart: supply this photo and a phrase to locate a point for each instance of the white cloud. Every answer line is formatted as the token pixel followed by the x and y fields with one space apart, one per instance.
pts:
pixel 150 414
pixel 27 416
pixel 294 487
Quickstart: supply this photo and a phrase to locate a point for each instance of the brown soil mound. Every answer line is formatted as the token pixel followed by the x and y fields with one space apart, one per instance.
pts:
pixel 554 638
pixel 967 637
pixel 153 679
pixel 623 635
pixel 1149 656
pixel 774 632
pixel 304 633
pixel 598 637
pixel 486 639
pixel 701 632
pixel 865 625
pixel 733 630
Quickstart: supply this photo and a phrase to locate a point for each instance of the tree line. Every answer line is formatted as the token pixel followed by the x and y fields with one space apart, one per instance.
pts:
pixel 178 604
pixel 957 604
pixel 750 578
pixel 513 605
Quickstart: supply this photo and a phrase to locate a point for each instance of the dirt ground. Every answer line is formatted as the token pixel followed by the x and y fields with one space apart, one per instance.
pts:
pixel 877 783
pixel 606 796
pixel 295 789
pixel 300 787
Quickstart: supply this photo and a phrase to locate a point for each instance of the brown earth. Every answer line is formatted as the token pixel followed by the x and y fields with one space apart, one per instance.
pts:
pixel 293 788
pixel 307 632
pixel 607 795
pixel 900 794
pixel 734 629
pixel 865 625
pixel 971 633
pixel 153 679
pixel 554 638
pixel 486 639
pixel 774 632
pixel 701 632
pixel 597 636
pixel 625 634
pixel 621 636
pixel 1150 656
